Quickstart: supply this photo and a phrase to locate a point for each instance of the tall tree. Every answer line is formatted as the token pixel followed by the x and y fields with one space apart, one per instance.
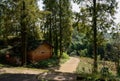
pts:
pixel 23 33
pixel 30 15
pixel 51 24
pixel 95 36
pixel 67 28
pixel 61 23
pixel 101 20
pixel 21 21
pixel 61 28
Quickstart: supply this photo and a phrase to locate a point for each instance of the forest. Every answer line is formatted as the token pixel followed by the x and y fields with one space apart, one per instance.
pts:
pixel 91 32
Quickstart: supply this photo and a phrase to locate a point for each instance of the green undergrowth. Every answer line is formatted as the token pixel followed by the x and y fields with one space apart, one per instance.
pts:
pixel 64 58
pixel 44 63
pixel 96 77
pixel 1 65
pixel 84 72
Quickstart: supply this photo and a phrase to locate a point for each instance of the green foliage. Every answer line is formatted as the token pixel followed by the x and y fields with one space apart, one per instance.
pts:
pixel 44 63
pixel 83 52
pixel 3 53
pixel 89 77
pixel 105 71
pixel 84 70
pixel 118 70
pixel 46 25
pixel 64 57
pixel 84 66
pixel 58 25
pixel 96 77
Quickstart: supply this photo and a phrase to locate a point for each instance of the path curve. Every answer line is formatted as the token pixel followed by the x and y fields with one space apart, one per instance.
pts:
pixel 64 73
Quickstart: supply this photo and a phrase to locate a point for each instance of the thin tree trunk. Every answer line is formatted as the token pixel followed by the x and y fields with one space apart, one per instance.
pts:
pixel 5 35
pixel 56 38
pixel 95 37
pixel 50 37
pixel 23 36
pixel 60 30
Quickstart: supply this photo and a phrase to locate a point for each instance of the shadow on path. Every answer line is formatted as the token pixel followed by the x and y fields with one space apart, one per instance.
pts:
pixel 18 77
pixel 57 76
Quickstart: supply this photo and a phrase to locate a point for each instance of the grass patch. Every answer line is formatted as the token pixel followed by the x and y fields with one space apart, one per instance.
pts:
pixel 96 77
pixel 86 64
pixel 106 70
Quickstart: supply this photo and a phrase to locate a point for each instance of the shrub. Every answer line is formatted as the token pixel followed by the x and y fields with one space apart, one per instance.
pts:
pixel 118 70
pixel 44 63
pixel 83 52
pixel 73 53
pixel 89 77
pixel 65 56
pixel 105 71
pixel 2 55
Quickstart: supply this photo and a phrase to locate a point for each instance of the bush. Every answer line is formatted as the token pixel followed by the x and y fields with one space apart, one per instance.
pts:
pixel 95 77
pixel 118 70
pixel 83 52
pixel 89 77
pixel 73 53
pixel 3 55
pixel 65 56
pixel 105 71
pixel 44 63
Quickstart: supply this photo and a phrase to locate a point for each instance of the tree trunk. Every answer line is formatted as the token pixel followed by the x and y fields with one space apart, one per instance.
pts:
pixel 23 35
pixel 60 15
pixel 50 31
pixel 95 37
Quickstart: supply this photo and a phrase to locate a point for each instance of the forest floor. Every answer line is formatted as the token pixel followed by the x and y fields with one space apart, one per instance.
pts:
pixel 64 72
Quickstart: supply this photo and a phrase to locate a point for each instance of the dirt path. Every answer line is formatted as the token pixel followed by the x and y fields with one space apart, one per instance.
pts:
pixel 19 74
pixel 70 66
pixel 20 70
pixel 65 72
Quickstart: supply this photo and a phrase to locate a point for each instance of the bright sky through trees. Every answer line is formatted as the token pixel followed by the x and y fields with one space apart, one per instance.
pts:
pixel 76 9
